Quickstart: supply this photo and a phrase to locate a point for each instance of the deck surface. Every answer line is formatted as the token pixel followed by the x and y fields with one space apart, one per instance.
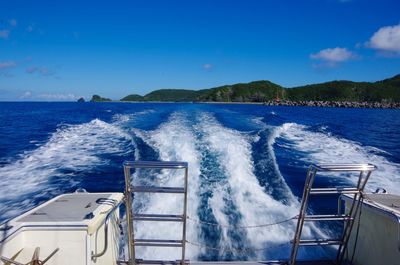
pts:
pixel 73 207
pixel 391 201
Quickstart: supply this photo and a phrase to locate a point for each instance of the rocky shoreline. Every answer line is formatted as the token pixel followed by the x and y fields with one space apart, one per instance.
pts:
pixel 335 104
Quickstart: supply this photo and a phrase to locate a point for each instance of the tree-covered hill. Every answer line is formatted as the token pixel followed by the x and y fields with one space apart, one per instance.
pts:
pixel 172 95
pixel 387 90
pixel 132 97
pixel 257 91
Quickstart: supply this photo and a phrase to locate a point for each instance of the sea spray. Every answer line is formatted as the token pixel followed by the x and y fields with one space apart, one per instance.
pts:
pixel 68 151
pixel 322 147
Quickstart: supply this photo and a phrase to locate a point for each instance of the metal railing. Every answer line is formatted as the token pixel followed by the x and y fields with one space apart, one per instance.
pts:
pixel 130 217
pixel 365 172
pixel 106 221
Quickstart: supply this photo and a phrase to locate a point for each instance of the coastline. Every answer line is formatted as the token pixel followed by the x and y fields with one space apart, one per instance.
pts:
pixel 287 103
pixel 335 104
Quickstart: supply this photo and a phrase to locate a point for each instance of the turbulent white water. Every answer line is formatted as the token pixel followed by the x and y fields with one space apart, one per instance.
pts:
pixel 191 139
pixel 320 147
pixel 68 151
pixel 254 205
pixel 175 142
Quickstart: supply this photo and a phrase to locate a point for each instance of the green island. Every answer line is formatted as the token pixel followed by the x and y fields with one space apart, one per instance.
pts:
pixel 386 92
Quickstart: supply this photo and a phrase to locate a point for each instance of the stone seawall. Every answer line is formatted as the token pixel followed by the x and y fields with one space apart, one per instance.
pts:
pixel 335 104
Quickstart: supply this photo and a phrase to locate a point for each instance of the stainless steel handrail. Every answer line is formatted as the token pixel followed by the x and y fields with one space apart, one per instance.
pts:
pixel 106 221
pixel 344 167
pixel 155 164
pixel 364 170
pixel 129 190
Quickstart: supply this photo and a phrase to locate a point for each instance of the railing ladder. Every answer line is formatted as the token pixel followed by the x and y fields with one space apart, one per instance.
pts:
pixel 131 217
pixel 365 171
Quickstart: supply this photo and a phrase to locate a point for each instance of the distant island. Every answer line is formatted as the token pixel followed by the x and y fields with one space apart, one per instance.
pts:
pixel 380 94
pixel 97 98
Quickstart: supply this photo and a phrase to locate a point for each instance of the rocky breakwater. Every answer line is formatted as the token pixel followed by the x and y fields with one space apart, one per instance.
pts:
pixel 335 104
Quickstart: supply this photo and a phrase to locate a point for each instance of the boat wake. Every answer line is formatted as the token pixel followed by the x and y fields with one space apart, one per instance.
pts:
pixel 233 151
pixel 173 141
pixel 55 166
pixel 322 147
pixel 224 191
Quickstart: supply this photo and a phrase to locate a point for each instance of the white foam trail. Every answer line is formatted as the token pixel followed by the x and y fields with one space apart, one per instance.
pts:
pixel 128 121
pixel 259 122
pixel 275 132
pixel 123 118
pixel 175 141
pixel 325 148
pixel 255 206
pixel 70 149
pixel 217 204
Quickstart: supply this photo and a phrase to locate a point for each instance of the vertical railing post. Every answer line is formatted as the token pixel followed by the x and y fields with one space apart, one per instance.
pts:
pixel 184 216
pixel 129 220
pixel 303 208
pixel 352 213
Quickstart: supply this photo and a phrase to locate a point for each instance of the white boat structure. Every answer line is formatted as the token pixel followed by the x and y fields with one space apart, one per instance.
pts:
pixel 84 228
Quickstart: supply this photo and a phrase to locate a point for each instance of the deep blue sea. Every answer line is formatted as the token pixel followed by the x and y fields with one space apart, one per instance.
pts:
pixel 247 164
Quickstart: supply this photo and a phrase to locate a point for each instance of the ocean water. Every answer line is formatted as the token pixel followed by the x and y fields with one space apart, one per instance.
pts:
pixel 247 165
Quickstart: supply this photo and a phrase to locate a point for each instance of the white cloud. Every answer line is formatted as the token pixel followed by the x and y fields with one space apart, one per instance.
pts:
pixel 333 55
pixel 57 97
pixel 40 71
pixel 29 28
pixel 13 22
pixel 5 66
pixel 26 95
pixel 4 34
pixel 208 66
pixel 29 95
pixel 386 39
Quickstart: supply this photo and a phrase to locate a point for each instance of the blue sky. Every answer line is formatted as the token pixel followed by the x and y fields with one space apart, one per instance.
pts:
pixel 61 50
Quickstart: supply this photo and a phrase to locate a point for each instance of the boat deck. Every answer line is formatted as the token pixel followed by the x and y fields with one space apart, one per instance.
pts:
pixel 75 207
pixel 389 201
pixel 383 202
